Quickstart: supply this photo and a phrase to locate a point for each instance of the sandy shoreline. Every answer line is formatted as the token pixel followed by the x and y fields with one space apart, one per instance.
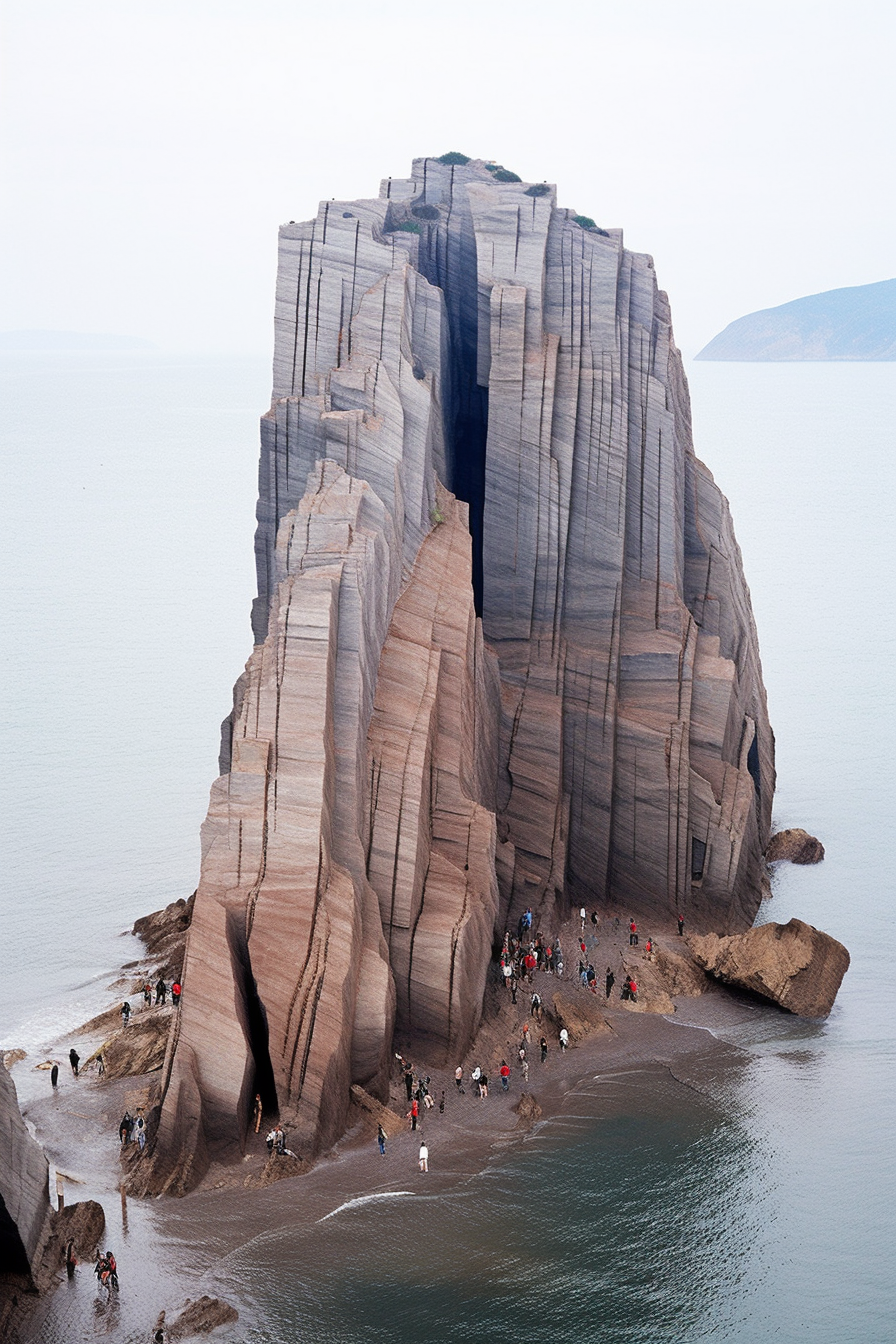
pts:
pixel 177 1246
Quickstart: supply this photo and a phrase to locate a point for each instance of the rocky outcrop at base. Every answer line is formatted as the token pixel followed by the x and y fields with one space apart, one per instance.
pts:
pixel 795 965
pixel 796 845
pixel 164 934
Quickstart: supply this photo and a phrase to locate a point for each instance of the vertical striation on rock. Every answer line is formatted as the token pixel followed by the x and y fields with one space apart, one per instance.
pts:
pixel 26 1214
pixel 504 650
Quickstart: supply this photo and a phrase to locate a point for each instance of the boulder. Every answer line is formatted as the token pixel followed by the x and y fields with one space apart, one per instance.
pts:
pixel 201 1317
pixel 164 934
pixel 794 965
pixel 528 1111
pixel 579 1013
pixel 138 1048
pixel 796 845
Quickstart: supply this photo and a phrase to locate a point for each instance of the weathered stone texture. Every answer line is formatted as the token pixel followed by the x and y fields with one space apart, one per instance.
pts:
pixel 398 775
pixel 25 1210
pixel 795 965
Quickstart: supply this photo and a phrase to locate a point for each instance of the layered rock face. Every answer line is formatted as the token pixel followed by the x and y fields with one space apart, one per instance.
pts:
pixel 26 1215
pixel 795 965
pixel 504 649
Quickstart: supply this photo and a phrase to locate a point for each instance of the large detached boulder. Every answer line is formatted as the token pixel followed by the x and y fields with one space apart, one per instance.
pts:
pixel 795 965
pixel 796 845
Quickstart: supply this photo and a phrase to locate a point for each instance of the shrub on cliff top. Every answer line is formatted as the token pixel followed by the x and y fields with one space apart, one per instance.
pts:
pixel 453 157
pixel 505 175
pixel 538 189
pixel 585 222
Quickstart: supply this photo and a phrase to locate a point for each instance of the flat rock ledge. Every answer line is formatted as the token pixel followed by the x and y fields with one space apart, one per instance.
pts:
pixel 795 965
pixel 796 845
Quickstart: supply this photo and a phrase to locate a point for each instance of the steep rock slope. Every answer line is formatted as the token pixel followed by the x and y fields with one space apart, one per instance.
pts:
pixel 400 776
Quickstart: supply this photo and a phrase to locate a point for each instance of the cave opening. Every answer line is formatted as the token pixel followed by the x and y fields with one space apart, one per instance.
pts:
pixel 254 1022
pixel 753 764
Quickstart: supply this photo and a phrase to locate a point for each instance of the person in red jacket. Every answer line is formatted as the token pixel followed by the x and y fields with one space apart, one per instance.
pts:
pixel 632 934
pixel 505 1075
pixel 175 993
pixel 414 1113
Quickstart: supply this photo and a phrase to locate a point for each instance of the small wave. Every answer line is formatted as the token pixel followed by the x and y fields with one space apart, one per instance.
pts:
pixel 365 1199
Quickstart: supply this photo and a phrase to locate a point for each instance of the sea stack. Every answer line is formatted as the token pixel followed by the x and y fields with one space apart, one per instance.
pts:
pixel 504 652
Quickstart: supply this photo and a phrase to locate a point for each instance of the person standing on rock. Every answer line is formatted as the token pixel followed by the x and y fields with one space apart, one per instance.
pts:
pixel 140 1127
pixel 147 995
pixel 74 1059
pixel 381 1140
pixel 680 919
pixel 124 1129
pixel 175 994
pixel 633 934
pixel 544 1049
pixel 535 1007
pixel 125 1012
pixel 161 991
pixel 611 980
pixel 54 1076
pixel 424 1157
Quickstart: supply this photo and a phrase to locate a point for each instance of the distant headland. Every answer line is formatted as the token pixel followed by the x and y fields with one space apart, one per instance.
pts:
pixel 858 323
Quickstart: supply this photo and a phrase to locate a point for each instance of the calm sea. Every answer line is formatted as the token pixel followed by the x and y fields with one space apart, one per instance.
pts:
pixel 748 1195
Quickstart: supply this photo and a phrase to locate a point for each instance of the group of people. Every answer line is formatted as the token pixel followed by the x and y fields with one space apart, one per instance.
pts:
pixel 106 1270
pixel 133 1129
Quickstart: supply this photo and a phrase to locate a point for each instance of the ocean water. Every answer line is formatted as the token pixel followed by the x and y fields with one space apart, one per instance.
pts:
pixel 747 1193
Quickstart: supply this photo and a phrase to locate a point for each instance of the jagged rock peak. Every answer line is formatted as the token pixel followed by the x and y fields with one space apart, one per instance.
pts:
pixel 504 652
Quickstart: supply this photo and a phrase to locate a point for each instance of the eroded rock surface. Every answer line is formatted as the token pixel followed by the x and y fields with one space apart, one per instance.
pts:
pixel 504 651
pixel 796 845
pixel 795 965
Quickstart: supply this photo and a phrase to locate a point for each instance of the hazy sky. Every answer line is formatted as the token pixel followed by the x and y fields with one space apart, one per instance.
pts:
pixel 150 150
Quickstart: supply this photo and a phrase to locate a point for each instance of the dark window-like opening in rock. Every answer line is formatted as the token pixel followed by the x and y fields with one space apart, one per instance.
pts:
pixel 753 762
pixel 698 858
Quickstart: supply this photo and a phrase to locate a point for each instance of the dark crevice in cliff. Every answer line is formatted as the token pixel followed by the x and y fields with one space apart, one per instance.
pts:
pixel 253 1020
pixel 447 258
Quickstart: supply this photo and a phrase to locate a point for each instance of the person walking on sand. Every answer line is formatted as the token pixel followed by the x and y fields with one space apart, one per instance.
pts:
pixel 611 980
pixel 544 1049
pixel 632 934
pixel 414 1113
pixel 54 1076
pixel 680 919
pixel 257 1112
pixel 74 1059
pixel 381 1140
pixel 424 1157
pixel 524 1067
pixel 505 1075
pixel 583 916
pixel 564 1040
pixel 459 1081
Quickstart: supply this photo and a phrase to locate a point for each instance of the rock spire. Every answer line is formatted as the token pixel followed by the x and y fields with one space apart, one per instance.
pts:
pixel 504 650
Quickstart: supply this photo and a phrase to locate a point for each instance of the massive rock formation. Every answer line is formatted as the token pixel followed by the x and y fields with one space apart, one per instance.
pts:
pixel 795 965
pixel 504 650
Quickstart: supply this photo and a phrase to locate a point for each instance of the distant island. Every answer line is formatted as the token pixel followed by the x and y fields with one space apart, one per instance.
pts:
pixel 71 340
pixel 854 323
